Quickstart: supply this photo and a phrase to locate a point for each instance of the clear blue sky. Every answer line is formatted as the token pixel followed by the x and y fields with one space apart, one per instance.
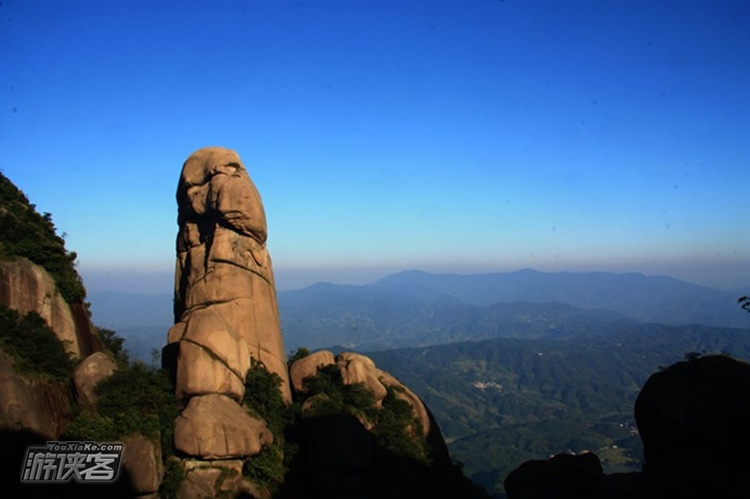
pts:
pixel 459 136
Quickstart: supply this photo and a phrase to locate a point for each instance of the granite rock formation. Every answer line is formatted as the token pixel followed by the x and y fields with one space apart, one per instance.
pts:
pixel 28 287
pixel 90 371
pixel 225 307
pixel 347 449
pixel 358 368
pixel 37 405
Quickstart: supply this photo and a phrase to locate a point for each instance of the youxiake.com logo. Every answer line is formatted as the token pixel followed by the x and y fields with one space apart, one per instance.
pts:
pixel 61 462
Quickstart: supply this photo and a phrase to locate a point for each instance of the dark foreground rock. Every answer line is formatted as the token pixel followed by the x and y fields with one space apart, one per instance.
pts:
pixel 693 419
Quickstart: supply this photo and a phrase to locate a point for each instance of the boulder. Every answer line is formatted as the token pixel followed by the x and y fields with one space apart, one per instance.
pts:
pixel 36 405
pixel 358 368
pixel 417 406
pixel 200 372
pixel 693 420
pixel 308 366
pixel 90 371
pixel 141 458
pixel 215 427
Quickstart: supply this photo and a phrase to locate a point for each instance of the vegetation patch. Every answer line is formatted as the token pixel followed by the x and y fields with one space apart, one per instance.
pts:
pixel 135 399
pixel 329 396
pixel 26 233
pixel 263 398
pixel 35 348
pixel 174 475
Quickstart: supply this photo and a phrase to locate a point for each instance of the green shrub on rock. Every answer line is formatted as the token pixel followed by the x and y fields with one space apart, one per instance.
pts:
pixel 263 397
pixel 34 347
pixel 26 233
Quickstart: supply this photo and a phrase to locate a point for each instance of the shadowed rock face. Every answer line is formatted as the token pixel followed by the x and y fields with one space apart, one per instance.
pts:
pixel 693 420
pixel 225 300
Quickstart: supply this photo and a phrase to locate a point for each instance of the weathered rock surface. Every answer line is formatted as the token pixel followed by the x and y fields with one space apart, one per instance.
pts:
pixel 141 458
pixel 88 373
pixel 216 427
pixel 225 307
pixel 345 452
pixel 221 478
pixel 37 405
pixel 308 366
pixel 224 278
pixel 358 368
pixel 28 287
pixel 200 372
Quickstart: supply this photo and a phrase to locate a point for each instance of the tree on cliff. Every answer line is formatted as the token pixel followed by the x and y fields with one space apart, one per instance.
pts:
pixel 26 233
pixel 744 302
pixel 35 348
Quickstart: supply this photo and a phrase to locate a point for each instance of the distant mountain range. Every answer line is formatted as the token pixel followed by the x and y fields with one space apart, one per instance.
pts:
pixel 514 366
pixel 646 298
pixel 414 308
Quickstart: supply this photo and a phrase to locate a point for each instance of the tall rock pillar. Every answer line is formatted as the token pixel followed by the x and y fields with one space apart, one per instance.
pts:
pixel 225 307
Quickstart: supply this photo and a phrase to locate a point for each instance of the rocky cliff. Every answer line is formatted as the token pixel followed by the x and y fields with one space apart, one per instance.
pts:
pixel 33 265
pixel 28 287
pixel 51 356
pixel 37 273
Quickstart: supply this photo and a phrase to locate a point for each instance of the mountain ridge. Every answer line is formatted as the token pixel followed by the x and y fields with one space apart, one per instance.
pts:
pixel 415 307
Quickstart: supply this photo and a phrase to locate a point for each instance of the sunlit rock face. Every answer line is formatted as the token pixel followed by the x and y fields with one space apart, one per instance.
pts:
pixel 225 300
pixel 27 287
pixel 358 368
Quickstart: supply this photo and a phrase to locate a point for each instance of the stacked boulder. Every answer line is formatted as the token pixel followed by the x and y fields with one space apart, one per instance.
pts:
pixel 225 308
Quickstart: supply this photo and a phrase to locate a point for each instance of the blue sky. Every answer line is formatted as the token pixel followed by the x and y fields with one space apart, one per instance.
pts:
pixel 447 136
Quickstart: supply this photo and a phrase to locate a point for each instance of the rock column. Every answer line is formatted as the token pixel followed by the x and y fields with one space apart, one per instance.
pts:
pixel 225 307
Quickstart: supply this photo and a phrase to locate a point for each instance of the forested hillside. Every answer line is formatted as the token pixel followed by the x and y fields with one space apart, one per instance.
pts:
pixel 26 233
pixel 501 402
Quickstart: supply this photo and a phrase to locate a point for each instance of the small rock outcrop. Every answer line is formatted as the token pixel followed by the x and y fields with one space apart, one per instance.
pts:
pixel 358 368
pixel 39 406
pixel 363 433
pixel 231 433
pixel 142 459
pixel 90 371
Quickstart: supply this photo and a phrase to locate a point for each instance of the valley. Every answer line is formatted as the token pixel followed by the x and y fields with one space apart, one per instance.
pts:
pixel 508 381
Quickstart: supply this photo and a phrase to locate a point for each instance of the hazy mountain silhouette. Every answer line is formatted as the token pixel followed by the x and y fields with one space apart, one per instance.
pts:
pixel 648 298
pixel 415 308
